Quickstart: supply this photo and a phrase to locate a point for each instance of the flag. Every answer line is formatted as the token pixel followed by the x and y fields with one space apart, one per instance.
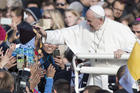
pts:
pixel 132 71
pixel 127 81
pixel 134 62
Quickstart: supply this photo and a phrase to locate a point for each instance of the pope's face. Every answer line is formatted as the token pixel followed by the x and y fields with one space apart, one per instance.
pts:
pixel 92 20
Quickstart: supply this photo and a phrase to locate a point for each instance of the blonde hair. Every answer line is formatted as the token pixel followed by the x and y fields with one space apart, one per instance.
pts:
pixel 57 18
pixel 74 12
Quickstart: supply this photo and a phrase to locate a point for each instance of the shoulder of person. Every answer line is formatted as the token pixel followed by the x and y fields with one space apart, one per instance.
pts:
pixel 119 23
pixel 117 26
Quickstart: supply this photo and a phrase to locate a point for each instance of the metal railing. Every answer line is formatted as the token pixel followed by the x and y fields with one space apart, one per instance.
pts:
pixel 94 70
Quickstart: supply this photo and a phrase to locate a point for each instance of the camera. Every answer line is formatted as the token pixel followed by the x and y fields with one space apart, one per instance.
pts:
pixel 22 81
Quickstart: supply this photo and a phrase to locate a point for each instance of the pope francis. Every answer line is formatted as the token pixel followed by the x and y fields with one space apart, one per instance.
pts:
pixel 97 34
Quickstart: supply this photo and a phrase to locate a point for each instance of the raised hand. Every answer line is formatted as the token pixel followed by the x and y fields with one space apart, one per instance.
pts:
pixel 34 68
pixel 11 49
pixel 5 58
pixel 51 71
pixel 41 30
pixel 36 74
pixel 11 63
pixel 118 53
pixel 34 81
pixel 59 61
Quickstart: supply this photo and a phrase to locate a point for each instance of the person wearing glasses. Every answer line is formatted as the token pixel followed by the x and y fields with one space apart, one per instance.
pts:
pixel 62 4
pixel 136 28
pixel 118 8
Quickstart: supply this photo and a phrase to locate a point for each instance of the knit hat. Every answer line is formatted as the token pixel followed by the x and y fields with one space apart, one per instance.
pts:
pixel 2 34
pixel 35 12
pixel 98 10
pixel 77 6
pixel 26 32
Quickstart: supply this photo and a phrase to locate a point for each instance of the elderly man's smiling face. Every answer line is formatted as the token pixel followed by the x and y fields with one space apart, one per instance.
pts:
pixel 94 22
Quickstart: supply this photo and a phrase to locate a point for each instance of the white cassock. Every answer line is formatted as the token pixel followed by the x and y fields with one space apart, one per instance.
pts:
pixel 80 39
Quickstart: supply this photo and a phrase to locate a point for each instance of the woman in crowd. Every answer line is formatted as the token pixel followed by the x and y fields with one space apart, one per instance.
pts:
pixel 55 21
pixel 72 17
pixel 55 17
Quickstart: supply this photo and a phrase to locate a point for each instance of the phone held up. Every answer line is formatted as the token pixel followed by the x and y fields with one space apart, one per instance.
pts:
pixel 21 61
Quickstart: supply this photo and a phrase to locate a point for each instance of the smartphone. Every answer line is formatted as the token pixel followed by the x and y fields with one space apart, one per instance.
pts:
pixel 5 21
pixel 56 53
pixel 20 61
pixel 45 23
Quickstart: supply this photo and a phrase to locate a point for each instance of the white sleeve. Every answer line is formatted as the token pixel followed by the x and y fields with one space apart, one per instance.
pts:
pixel 62 35
pixel 130 40
pixel 55 37
pixel 71 36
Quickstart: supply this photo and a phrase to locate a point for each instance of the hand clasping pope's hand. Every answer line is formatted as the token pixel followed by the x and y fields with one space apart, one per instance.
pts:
pixel 118 53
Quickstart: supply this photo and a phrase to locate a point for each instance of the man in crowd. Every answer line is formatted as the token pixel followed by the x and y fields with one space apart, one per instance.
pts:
pixel 48 6
pixel 91 89
pixel 136 28
pixel 109 13
pixel 118 8
pixel 96 35
pixel 61 86
pixel 33 15
pixel 62 4
pixel 94 89
pixel 6 82
pixel 32 3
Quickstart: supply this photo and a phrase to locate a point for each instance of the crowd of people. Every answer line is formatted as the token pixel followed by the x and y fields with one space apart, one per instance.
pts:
pixel 44 35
